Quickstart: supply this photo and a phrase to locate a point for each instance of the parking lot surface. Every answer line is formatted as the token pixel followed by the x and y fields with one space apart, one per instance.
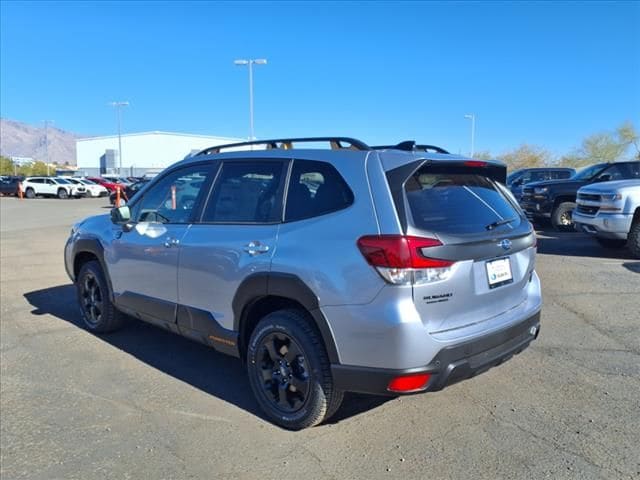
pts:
pixel 143 403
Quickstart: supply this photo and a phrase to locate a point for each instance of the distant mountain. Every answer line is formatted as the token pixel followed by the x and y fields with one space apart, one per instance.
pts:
pixel 18 139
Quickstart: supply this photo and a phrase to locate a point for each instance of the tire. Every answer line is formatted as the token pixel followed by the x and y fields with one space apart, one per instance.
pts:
pixel 611 242
pixel 633 239
pixel 63 194
pixel 561 217
pixel 98 313
pixel 289 371
pixel 30 193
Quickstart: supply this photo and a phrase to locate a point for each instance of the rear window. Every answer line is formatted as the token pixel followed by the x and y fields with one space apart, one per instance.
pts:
pixel 456 203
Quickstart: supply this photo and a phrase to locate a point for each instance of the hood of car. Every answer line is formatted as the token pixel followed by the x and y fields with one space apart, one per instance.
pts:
pixel 614 186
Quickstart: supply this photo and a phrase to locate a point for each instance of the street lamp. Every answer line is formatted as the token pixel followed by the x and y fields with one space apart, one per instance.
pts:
pixel 472 117
pixel 250 63
pixel 118 106
pixel 46 142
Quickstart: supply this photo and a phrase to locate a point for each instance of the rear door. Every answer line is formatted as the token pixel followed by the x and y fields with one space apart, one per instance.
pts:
pixel 482 231
pixel 234 239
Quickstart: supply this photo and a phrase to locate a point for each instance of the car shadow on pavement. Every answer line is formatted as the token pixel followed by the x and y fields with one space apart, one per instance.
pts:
pixel 576 244
pixel 200 366
pixel 632 266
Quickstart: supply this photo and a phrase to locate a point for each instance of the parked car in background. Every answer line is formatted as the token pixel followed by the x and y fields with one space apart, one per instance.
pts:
pixel 610 211
pixel 517 179
pixel 9 185
pixel 556 199
pixel 92 188
pixel 128 191
pixel 387 270
pixel 51 187
pixel 108 184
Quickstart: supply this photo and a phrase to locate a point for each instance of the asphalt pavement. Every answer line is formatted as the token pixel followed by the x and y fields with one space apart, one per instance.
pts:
pixel 143 403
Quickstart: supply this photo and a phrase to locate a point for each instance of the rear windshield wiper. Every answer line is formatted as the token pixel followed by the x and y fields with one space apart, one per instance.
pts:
pixel 497 223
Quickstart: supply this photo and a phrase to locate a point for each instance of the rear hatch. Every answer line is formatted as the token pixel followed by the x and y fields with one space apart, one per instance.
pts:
pixel 482 238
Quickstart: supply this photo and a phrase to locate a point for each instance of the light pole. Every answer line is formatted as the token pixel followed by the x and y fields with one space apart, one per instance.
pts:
pixel 46 142
pixel 118 106
pixel 250 63
pixel 472 117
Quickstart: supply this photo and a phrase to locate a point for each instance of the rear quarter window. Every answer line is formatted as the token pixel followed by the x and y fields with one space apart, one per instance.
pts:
pixel 315 188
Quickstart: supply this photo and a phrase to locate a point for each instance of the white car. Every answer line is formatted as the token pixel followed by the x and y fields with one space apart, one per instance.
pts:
pixel 92 188
pixel 51 187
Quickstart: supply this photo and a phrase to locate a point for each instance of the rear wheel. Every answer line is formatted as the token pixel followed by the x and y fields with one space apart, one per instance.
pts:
pixel 63 194
pixel 30 193
pixel 611 242
pixel 561 216
pixel 289 371
pixel 98 313
pixel 633 240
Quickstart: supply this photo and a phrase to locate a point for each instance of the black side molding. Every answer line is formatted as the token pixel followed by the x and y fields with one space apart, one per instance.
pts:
pixel 201 326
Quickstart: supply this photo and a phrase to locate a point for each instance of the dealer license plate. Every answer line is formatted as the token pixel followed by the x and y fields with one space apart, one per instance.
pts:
pixel 499 272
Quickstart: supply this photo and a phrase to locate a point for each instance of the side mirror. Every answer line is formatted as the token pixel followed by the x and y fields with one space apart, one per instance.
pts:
pixel 604 178
pixel 120 215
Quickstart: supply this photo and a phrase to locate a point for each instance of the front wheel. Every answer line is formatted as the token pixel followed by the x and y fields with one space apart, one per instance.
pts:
pixel 63 194
pixel 611 242
pixel 98 313
pixel 289 371
pixel 633 239
pixel 561 216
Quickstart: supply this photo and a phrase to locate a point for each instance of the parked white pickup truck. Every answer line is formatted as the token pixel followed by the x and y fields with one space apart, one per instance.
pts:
pixel 611 212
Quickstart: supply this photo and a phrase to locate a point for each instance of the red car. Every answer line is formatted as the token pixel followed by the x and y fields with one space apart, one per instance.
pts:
pixel 109 185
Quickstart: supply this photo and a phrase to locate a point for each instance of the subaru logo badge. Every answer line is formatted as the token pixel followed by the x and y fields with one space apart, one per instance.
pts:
pixel 505 244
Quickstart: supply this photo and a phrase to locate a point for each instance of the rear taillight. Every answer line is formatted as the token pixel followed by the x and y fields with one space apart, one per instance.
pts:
pixel 400 259
pixel 475 163
pixel 409 383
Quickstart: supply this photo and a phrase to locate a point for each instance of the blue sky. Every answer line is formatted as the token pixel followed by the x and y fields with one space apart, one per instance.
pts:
pixel 543 73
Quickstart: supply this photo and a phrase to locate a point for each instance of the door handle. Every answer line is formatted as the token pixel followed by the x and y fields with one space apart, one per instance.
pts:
pixel 255 248
pixel 171 242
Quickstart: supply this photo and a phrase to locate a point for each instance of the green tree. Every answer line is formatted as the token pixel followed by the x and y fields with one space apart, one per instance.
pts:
pixel 526 156
pixel 6 166
pixel 630 137
pixel 38 168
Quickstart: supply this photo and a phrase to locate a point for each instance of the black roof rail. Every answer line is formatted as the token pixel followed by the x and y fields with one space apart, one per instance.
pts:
pixel 336 143
pixel 411 146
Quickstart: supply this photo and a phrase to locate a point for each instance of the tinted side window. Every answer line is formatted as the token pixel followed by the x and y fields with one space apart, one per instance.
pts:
pixel 623 171
pixel 315 188
pixel 247 192
pixel 174 197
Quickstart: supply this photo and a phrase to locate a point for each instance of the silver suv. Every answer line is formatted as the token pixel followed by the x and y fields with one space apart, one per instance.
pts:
pixel 383 270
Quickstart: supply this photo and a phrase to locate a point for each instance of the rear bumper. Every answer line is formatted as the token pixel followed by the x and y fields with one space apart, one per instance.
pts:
pixel 452 364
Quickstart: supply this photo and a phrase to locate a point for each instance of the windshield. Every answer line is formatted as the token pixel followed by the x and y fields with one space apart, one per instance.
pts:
pixel 455 203
pixel 589 172
pixel 88 182
pixel 63 181
pixel 514 176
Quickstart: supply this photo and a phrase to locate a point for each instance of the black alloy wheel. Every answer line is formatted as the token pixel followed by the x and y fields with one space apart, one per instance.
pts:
pixel 283 372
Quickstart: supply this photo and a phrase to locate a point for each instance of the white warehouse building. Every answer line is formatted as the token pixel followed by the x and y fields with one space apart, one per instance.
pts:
pixel 147 152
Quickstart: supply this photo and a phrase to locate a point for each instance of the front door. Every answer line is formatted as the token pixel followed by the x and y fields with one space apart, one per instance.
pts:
pixel 143 260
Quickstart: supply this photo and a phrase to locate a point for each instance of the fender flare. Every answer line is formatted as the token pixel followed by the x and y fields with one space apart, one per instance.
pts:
pixel 93 246
pixel 284 285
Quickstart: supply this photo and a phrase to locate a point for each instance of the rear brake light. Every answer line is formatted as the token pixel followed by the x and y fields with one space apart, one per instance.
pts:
pixel 475 163
pixel 399 259
pixel 409 383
